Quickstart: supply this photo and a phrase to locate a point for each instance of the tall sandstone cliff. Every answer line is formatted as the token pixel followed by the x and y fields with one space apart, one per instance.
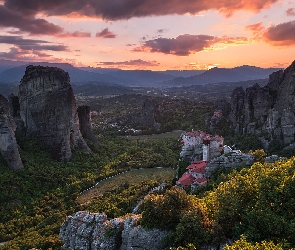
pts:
pixel 8 144
pixel 269 109
pixel 48 110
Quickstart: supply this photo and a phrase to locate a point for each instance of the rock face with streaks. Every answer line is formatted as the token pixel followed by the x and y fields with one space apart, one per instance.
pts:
pixel 269 109
pixel 48 110
pixel 143 119
pixel 8 144
pixel 85 123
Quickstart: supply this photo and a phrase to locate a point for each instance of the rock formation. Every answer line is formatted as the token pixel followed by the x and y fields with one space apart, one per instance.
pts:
pixel 147 114
pixel 48 110
pixel 86 231
pixel 8 144
pixel 94 231
pixel 85 123
pixel 267 110
pixel 143 119
pixel 229 161
pixel 136 237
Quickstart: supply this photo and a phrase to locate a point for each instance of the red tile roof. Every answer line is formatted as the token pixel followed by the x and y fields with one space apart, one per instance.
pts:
pixel 201 181
pixel 198 167
pixel 186 179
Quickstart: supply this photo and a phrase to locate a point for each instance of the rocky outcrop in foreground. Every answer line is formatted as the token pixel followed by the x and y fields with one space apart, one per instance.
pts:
pixel 268 110
pixel 48 110
pixel 86 231
pixel 8 144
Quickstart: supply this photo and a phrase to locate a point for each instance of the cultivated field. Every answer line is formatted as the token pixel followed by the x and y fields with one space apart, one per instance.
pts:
pixel 135 176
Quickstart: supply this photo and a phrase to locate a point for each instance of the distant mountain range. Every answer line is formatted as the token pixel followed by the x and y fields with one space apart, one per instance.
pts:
pixel 219 75
pixel 11 71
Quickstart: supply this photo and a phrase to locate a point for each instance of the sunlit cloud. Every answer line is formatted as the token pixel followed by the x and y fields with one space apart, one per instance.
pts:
pixel 277 35
pixel 199 66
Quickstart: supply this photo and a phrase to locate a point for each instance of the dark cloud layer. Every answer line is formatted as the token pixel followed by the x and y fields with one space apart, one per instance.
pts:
pixel 125 9
pixel 34 26
pixel 105 33
pixel 185 45
pixel 281 34
pixel 22 14
pixel 9 18
pixel 31 44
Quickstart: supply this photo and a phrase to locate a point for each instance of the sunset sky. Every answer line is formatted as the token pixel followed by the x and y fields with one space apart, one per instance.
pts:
pixel 149 34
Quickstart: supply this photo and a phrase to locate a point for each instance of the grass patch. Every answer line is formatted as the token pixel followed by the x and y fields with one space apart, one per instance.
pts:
pixel 134 177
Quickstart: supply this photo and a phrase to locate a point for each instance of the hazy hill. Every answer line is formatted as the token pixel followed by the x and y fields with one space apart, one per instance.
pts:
pixel 76 75
pixel 7 64
pixel 141 77
pixel 211 91
pixel 217 75
pixel 184 73
pixel 12 71
pixel 100 89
